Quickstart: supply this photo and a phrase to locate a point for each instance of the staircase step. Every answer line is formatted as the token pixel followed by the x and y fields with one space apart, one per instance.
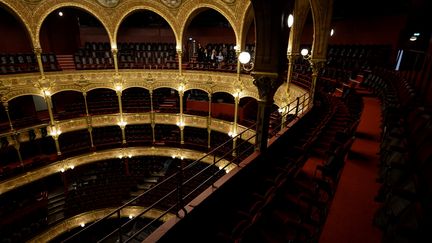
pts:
pixel 66 62
pixel 53 219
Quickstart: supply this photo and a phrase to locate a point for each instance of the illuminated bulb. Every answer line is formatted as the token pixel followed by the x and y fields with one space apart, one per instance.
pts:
pixel 331 32
pixel 244 57
pixel 181 88
pixel 181 157
pixel 130 156
pixel 304 52
pixel 416 34
pixel 47 93
pixel 290 20
pixel 122 124
pixel 180 124
pixel 130 216
pixel 60 14
pixel 173 156
pixel 118 87
pixel 62 170
pixel 413 38
pixel 82 225
pixel 71 167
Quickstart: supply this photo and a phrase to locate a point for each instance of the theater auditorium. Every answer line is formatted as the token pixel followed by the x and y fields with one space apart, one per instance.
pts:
pixel 225 121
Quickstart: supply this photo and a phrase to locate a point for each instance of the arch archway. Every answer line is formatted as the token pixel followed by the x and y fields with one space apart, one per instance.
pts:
pixel 16 54
pixel 136 100
pixel 196 102
pixel 68 104
pixel 223 106
pixel 70 32
pixel 146 40
pixel 209 41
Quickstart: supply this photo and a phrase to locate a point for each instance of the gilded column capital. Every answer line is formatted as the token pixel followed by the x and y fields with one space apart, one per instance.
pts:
pixel 317 65
pixel 292 56
pixel 114 51
pixel 267 86
pixel 37 50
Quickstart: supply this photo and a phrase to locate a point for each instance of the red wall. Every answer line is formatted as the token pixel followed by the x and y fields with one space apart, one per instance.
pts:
pixel 211 35
pixel 372 30
pixel 60 35
pixel 14 35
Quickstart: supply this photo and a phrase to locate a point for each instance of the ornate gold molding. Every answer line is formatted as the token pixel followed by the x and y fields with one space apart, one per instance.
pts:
pixel 92 216
pixel 70 163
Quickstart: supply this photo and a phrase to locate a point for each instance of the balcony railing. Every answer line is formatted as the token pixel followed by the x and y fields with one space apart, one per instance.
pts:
pixel 177 199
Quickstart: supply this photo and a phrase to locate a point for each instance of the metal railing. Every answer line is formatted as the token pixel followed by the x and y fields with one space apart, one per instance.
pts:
pixel 174 201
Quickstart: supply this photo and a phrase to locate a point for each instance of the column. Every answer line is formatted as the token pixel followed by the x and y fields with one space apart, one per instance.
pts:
pixel 152 116
pixel 209 120
pixel 122 123
pixel 38 53
pixel 317 65
pixel 181 122
pixel 114 53
pixel 6 106
pixel 291 60
pixel 234 132
pixel 88 120
pixel 47 96
pixel 179 57
pixel 238 63
pixel 267 84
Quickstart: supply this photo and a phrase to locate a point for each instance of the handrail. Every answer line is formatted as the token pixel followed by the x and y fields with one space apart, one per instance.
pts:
pixel 158 185
pixel 177 177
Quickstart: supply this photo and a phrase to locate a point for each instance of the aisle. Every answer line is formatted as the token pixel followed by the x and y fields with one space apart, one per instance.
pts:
pixel 351 213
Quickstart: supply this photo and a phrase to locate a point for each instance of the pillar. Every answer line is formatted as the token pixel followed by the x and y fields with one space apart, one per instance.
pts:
pixel 38 53
pixel 267 84
pixel 317 65
pixel 6 106
pixel 114 53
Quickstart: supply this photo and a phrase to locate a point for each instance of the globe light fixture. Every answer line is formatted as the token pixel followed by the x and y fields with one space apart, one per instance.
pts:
pixel 244 57
pixel 290 20
pixel 332 32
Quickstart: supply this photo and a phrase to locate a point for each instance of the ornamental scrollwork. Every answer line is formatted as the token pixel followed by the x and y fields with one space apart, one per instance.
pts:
pixel 172 3
pixel 108 3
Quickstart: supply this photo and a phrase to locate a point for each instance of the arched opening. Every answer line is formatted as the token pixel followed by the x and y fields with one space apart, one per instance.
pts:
pixel 136 100
pixel 223 106
pixel 107 137
pixel 37 151
pixel 68 104
pixel 166 100
pixel 4 120
pixel 196 138
pixel 167 135
pixel 74 39
pixel 28 110
pixel 209 41
pixel 196 102
pixel 102 101
pixel 74 143
pixel 139 135
pixel 146 40
pixel 247 112
pixel 16 54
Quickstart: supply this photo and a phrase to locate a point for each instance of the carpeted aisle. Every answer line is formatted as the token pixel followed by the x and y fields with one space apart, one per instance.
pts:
pixel 351 213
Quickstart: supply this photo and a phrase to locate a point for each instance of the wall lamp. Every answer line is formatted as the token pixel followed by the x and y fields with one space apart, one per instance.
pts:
pixel 305 53
pixel 245 59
